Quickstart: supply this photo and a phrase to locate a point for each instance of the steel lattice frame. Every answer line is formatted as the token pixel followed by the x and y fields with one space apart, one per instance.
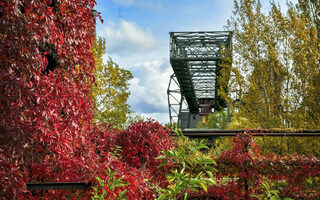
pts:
pixel 195 57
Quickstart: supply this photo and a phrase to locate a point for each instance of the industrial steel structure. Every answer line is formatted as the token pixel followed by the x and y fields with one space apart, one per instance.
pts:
pixel 193 88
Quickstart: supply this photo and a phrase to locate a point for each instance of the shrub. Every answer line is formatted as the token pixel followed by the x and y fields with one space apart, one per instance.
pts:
pixel 141 143
pixel 190 170
pixel 117 179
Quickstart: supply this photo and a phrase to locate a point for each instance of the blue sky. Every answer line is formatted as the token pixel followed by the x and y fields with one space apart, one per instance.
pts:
pixel 137 38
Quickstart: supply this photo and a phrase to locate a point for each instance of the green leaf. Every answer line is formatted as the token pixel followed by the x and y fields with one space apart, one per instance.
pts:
pixel 202 147
pixel 204 186
pixel 210 181
pixel 211 169
pixel 123 184
pixel 207 161
pixel 161 157
pixel 186 196
pixel 162 164
pixel 210 174
pixel 167 153
pixel 199 175
pixel 183 164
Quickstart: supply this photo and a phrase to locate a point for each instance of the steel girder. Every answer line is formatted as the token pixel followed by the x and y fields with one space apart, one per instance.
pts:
pixel 195 57
pixel 176 101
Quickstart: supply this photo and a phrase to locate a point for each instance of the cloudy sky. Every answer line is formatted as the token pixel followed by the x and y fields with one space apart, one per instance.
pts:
pixel 137 38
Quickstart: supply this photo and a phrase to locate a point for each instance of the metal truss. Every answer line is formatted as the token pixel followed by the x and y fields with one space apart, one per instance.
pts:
pixel 195 58
pixel 177 102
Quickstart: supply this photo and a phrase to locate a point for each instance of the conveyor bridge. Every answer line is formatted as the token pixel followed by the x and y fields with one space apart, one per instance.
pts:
pixel 193 88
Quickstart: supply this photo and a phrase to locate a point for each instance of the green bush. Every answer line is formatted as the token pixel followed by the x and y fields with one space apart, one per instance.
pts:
pixel 191 170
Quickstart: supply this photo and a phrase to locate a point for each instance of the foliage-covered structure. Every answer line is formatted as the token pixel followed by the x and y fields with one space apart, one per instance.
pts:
pixel 46 110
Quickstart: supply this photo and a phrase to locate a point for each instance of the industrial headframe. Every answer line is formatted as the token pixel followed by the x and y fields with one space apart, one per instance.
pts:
pixel 193 88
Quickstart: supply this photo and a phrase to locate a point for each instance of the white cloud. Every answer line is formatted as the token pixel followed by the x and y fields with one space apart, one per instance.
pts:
pixel 162 117
pixel 137 90
pixel 149 89
pixel 127 38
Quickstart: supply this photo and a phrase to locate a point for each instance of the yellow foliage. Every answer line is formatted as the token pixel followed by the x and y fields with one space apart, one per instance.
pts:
pixel 275 72
pixel 111 92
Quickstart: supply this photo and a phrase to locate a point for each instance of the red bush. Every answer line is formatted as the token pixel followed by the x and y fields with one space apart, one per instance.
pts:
pixel 46 130
pixel 231 191
pixel 143 142
pixel 137 187
pixel 245 162
pixel 103 138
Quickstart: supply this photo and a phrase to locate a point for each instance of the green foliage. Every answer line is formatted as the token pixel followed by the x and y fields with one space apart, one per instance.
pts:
pixel 238 122
pixel 220 145
pixel 269 193
pixel 173 126
pixel 191 171
pixel 111 92
pixel 216 120
pixel 115 151
pixel 289 145
pixel 133 118
pixel 109 186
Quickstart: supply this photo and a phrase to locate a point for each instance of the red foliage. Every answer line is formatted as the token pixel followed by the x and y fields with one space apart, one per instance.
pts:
pixel 137 188
pixel 46 130
pixel 143 142
pixel 46 121
pixel 245 162
pixel 31 29
pixel 247 168
pixel 228 192
pixel 103 139
pixel 47 135
pixel 46 111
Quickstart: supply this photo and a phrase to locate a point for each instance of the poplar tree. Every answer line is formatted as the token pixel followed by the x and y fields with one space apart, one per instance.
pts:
pixel 305 23
pixel 111 92
pixel 275 80
pixel 258 74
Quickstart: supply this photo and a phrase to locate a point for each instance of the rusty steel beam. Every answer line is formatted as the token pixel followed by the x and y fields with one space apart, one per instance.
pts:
pixel 203 133
pixel 58 186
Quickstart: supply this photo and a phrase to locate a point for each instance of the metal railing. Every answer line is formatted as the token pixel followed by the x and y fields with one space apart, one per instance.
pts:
pixel 58 186
pixel 203 133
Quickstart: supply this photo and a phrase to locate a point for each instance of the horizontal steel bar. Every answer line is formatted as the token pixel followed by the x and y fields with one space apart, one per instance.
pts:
pixel 172 59
pixel 268 162
pixel 257 132
pixel 58 186
pixel 187 32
